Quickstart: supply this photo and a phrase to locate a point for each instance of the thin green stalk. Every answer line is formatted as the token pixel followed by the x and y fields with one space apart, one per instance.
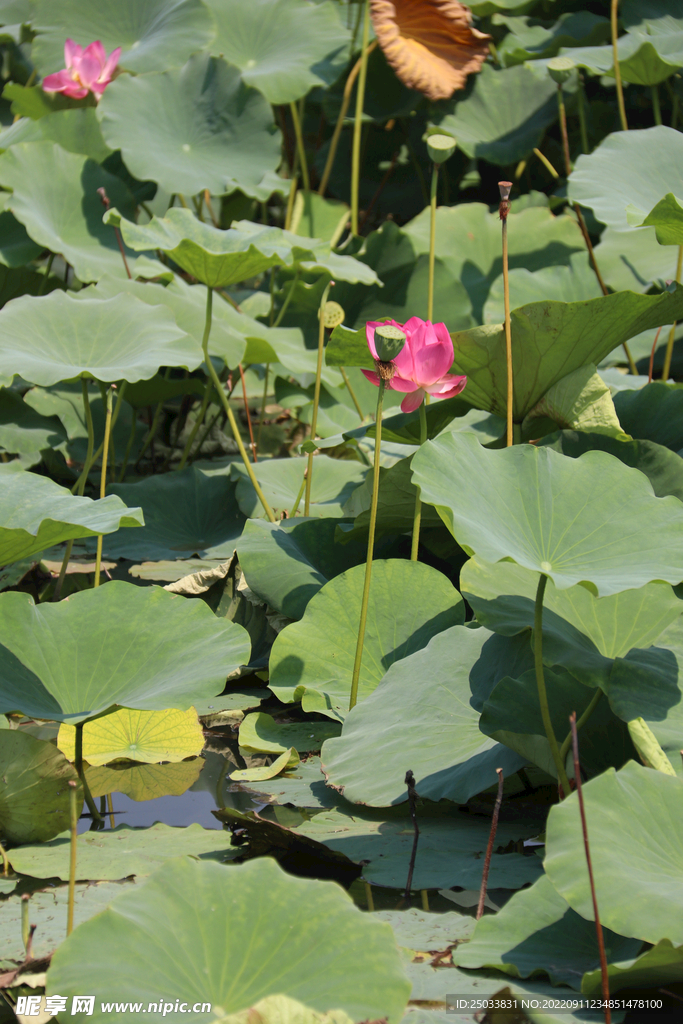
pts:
pixel 582 116
pixel 617 69
pixel 226 405
pixel 432 241
pixel 207 432
pixel 288 298
pixel 263 406
pixel 672 332
pixel 563 130
pixel 73 814
pixel 371 548
pixel 346 99
pixel 352 393
pixel 208 391
pixel 5 861
pixel 540 682
pixel 595 700
pixel 417 517
pixel 79 486
pixel 316 394
pixel 78 764
pixel 43 283
pixel 103 479
pixel 292 192
pixel 300 146
pixel 295 506
pixel 25 923
pixel 129 446
pixel 508 334
pixel 656 109
pixel 358 121
pixel 152 432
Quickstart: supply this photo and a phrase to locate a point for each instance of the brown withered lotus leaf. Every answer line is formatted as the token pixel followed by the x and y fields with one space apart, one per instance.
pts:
pixel 430 44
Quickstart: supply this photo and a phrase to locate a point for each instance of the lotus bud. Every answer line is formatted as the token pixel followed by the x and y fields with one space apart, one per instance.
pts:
pixel 560 69
pixel 389 342
pixel 333 315
pixel 440 147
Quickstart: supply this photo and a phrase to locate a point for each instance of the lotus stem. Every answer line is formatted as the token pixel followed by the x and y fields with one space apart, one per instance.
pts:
pixel 263 406
pixel 295 506
pixel 417 517
pixel 672 332
pixel 358 121
pixel 563 129
pixel 300 145
pixel 48 268
pixel 79 486
pixel 352 393
pixel 129 446
pixel 248 415
pixel 582 115
pixel 617 69
pixel 595 700
pixel 346 99
pixel 288 298
pixel 316 394
pixel 598 927
pixel 368 897
pixel 103 479
pixel 78 764
pixel 73 809
pixel 371 547
pixel 226 405
pixel 489 848
pixel 292 192
pixel 656 109
pixel 540 682
pixel 432 241
pixel 412 800
pixel 25 925
pixel 504 209
pixel 208 391
pixel 424 893
pixel 5 861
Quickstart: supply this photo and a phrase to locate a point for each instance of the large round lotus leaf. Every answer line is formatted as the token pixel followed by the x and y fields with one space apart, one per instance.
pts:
pixel 551 340
pixel 633 259
pixel 628 174
pixel 191 129
pixel 287 563
pixel 34 798
pixel 529 41
pixel 660 965
pixel 560 284
pixel 55 337
pixel 333 482
pixel 571 519
pixel 120 852
pixel 146 736
pixel 635 831
pixel 280 46
pixel 154 35
pixel 504 116
pixel 279 934
pixel 431 728
pixel 643 59
pixel 654 413
pixel 312 660
pixel 54 194
pixel 139 647
pixel 186 513
pixel 23 430
pixel 77 131
pixel 538 931
pixel 36 513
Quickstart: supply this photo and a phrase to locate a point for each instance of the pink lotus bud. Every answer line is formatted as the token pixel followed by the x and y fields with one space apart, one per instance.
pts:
pixel 88 70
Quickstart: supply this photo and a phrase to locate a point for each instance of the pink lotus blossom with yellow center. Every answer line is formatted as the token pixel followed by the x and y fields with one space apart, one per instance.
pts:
pixel 422 365
pixel 88 70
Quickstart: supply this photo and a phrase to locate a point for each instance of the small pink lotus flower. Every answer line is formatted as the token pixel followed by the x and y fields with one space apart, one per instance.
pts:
pixel 421 367
pixel 88 70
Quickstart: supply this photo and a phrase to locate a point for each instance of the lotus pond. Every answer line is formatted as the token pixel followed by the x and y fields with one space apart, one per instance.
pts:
pixel 341 511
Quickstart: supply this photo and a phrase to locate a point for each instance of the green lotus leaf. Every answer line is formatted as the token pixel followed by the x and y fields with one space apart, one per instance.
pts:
pixel 400 298
pixel 121 852
pixel 420 930
pixel 48 911
pixel 23 430
pixel 154 36
pixel 76 131
pixel 635 831
pixel 657 967
pixel 143 782
pixel 580 401
pixel 567 518
pixel 634 260
pixel 14 14
pixel 529 40
pixel 36 513
pixel 505 115
pixel 54 194
pixel 538 931
pixel 562 283
pixel 450 849
pixel 281 479
pixel 653 413
pixel 16 248
pixel 281 48
pixel 656 17
pixel 286 563
pixel 34 800
pixel 54 337
pixel 159 388
pixel 32 101
pixel 199 127
pixel 277 1009
pixel 643 59
pixel 331 941
pixel 628 174
pixel 146 736
pixel 667 220
pixel 432 728
pixel 260 732
pixel 316 217
pixel 395 505
pixel 312 660
pixel 137 647
pixel 550 340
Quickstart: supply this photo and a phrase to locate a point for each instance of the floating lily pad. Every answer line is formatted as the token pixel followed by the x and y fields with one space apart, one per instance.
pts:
pixel 304 786
pixel 142 782
pixel 289 759
pixel 262 733
pixel 330 941
pixel 148 736
pixel 569 519
pixel 34 799
pixel 312 660
pixel 36 513
pixel 23 430
pixel 198 127
pixel 138 647
pixel 281 479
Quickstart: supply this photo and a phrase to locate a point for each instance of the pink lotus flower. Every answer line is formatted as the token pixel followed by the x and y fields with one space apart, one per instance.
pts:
pixel 88 70
pixel 421 367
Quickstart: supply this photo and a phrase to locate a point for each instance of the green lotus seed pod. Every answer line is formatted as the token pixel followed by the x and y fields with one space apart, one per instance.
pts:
pixel 389 342
pixel 560 69
pixel 440 147
pixel 333 315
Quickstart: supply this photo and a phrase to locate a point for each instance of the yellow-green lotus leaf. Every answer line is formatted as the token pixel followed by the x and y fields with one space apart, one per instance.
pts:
pixel 148 736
